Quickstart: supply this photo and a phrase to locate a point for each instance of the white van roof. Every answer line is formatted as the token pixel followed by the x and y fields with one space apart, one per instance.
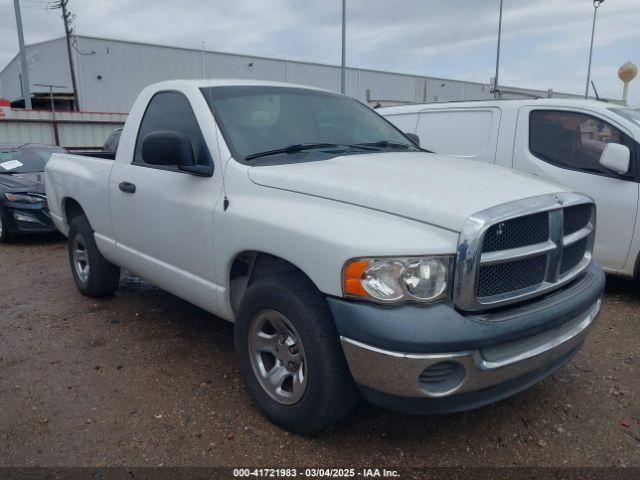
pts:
pixel 597 106
pixel 504 104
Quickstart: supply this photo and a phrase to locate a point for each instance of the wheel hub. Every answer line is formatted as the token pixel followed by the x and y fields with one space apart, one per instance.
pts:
pixel 277 357
pixel 287 353
pixel 80 256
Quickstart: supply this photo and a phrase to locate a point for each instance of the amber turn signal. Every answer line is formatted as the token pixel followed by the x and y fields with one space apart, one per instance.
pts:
pixel 352 278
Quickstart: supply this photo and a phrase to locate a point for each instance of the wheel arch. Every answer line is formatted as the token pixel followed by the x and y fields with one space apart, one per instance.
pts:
pixel 71 209
pixel 249 265
pixel 636 267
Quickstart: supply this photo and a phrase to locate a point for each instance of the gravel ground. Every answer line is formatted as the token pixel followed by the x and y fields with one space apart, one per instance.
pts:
pixel 143 378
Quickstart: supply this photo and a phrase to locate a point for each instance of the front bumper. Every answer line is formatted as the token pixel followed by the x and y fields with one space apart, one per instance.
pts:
pixel 24 218
pixel 444 361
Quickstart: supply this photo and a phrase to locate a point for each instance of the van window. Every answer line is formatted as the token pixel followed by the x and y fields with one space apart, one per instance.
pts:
pixel 462 133
pixel 571 140
pixel 171 111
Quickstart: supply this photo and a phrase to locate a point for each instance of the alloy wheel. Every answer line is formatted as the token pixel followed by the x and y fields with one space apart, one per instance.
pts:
pixel 80 257
pixel 278 357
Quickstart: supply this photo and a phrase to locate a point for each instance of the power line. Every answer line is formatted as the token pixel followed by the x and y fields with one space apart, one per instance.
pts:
pixel 26 7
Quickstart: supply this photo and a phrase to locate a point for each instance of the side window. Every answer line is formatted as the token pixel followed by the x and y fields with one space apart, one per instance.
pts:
pixel 172 111
pixel 571 140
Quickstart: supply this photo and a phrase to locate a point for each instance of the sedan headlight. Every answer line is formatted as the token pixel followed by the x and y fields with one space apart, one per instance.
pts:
pixel 398 279
pixel 23 198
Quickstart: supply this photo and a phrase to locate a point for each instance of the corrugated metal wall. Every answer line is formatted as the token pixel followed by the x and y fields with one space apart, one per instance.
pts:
pixel 74 129
pixel 48 63
pixel 111 73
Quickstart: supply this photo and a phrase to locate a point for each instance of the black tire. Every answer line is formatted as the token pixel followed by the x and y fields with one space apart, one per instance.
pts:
pixel 5 235
pixel 102 277
pixel 330 392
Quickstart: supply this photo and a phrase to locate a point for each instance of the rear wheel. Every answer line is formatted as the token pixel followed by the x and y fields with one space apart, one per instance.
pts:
pixel 94 276
pixel 290 354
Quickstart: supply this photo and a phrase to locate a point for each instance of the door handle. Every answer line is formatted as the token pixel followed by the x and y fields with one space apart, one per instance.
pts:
pixel 127 187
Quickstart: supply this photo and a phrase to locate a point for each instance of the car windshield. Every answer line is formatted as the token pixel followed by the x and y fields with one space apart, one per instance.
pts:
pixel 259 121
pixel 25 159
pixel 633 115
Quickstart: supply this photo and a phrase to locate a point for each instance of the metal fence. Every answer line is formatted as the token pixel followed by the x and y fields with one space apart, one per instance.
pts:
pixel 73 130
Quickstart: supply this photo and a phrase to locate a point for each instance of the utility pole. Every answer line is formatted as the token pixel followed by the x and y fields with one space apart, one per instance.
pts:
pixel 54 122
pixel 344 38
pixel 26 86
pixel 496 91
pixel 68 31
pixel 596 4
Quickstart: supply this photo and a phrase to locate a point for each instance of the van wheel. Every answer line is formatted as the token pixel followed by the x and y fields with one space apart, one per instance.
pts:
pixel 94 276
pixel 5 235
pixel 290 354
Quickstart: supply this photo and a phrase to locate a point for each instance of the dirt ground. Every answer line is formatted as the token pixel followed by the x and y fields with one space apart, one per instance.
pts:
pixel 143 378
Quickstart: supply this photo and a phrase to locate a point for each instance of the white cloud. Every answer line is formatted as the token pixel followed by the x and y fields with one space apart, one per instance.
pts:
pixel 545 43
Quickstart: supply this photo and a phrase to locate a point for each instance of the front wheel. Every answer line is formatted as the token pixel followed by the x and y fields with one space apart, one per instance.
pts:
pixel 93 274
pixel 5 235
pixel 290 354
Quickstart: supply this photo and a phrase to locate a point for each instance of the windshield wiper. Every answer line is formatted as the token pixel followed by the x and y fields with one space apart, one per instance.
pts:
pixel 299 147
pixel 387 144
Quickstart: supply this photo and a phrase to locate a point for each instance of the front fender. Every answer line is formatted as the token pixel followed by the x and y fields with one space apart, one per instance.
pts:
pixel 316 235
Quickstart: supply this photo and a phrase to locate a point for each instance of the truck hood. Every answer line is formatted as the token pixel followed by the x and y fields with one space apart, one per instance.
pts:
pixel 434 189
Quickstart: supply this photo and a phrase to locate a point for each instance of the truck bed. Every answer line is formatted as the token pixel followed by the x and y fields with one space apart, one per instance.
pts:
pixel 84 179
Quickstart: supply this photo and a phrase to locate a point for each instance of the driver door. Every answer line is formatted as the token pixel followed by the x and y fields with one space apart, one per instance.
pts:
pixel 564 146
pixel 163 217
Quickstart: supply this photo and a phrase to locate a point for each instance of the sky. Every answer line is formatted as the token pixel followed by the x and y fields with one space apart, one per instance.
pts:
pixel 545 44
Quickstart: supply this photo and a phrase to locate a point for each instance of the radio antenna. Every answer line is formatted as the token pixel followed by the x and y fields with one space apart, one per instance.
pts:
pixel 202 55
pixel 225 200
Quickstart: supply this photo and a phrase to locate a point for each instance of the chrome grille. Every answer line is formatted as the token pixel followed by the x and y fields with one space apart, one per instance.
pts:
pixel 518 232
pixel 512 276
pixel 522 249
pixel 572 255
pixel 576 217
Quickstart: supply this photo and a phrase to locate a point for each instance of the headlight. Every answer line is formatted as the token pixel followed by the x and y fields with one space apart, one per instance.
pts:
pixel 387 280
pixel 23 198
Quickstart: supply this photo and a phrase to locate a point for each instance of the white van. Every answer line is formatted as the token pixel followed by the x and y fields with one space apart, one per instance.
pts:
pixel 591 146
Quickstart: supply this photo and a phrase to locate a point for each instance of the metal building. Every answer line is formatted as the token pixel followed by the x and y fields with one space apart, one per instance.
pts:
pixel 110 74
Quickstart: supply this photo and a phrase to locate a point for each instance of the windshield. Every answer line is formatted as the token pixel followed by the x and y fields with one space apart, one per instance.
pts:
pixel 264 119
pixel 633 115
pixel 26 159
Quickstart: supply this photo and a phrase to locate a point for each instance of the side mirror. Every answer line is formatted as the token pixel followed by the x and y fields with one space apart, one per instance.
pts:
pixel 413 137
pixel 616 157
pixel 167 148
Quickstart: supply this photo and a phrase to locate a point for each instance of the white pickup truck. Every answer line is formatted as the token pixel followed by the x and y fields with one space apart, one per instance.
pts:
pixel 351 261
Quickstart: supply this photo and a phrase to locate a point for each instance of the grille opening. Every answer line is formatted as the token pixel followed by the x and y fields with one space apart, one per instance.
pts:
pixel 572 255
pixel 576 217
pixel 509 277
pixel 512 276
pixel 441 377
pixel 517 232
